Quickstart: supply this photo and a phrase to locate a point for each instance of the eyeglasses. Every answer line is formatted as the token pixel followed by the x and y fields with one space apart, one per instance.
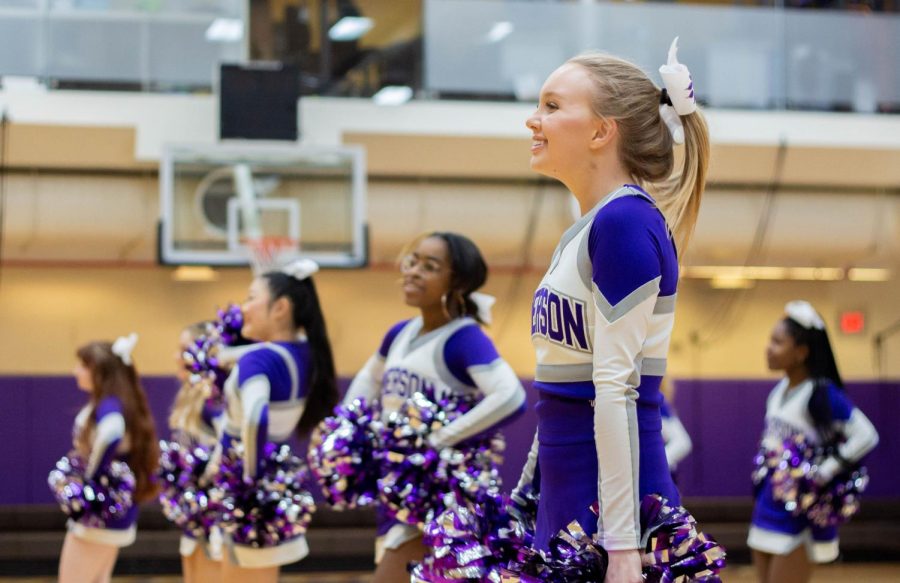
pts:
pixel 412 261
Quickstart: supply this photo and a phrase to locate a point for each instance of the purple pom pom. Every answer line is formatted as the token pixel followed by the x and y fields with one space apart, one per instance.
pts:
pixel 200 357
pixel 184 499
pixel 574 557
pixel 792 469
pixel 674 550
pixel 229 324
pixel 270 510
pixel 96 502
pixel 344 455
pixel 416 477
pixel 472 542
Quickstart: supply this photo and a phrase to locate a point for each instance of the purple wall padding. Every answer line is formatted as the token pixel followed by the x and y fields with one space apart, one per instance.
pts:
pixel 724 418
pixel 36 429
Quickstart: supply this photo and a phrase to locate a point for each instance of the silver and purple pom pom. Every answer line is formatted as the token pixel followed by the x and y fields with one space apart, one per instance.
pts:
pixel 184 498
pixel 270 510
pixel 472 542
pixel 574 557
pixel 793 469
pixel 344 455
pixel 201 356
pixel 674 550
pixel 97 502
pixel 198 357
pixel 416 477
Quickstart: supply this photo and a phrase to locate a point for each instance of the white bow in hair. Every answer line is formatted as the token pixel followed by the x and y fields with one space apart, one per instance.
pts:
pixel 300 268
pixel 484 303
pixel 124 346
pixel 804 314
pixel 680 88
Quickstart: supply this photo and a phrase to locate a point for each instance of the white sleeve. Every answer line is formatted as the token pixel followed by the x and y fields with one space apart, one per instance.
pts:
pixel 678 441
pixel 367 382
pixel 254 405
pixel 619 335
pixel 861 439
pixel 527 476
pixel 108 434
pixel 503 396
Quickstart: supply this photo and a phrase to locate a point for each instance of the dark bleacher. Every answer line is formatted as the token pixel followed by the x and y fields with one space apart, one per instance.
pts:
pixel 31 537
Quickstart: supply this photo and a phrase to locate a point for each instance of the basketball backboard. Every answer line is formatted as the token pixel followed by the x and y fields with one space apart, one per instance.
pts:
pixel 214 198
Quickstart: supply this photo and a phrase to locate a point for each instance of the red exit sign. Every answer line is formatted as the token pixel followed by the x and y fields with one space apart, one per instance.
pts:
pixel 853 322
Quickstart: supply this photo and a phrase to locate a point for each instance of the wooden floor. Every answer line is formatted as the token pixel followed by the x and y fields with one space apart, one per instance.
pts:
pixel 859 572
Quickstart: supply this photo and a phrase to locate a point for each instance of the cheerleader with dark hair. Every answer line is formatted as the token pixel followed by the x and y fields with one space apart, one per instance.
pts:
pixel 282 384
pixel 808 403
pixel 443 353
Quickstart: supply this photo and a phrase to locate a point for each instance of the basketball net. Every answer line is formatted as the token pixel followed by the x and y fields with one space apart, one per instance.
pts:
pixel 271 252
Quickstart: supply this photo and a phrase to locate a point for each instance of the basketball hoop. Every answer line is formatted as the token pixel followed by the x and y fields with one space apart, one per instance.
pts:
pixel 269 252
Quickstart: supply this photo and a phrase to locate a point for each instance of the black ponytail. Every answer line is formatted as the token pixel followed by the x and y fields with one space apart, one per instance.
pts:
pixel 307 314
pixel 823 371
pixel 469 272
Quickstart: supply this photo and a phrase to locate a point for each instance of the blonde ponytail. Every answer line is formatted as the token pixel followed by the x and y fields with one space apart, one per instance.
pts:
pixel 679 197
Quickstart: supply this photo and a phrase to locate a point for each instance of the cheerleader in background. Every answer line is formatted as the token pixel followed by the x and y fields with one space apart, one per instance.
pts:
pixel 283 383
pixel 116 424
pixel 444 351
pixel 809 400
pixel 677 439
pixel 195 421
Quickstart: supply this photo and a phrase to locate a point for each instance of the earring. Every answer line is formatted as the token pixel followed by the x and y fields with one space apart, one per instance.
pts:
pixel 444 307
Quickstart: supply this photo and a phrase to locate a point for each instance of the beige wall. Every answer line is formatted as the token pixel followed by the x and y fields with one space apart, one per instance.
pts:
pixel 47 312
pixel 66 207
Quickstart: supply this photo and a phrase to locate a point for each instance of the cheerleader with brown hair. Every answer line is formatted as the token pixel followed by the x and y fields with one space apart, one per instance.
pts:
pixel 115 459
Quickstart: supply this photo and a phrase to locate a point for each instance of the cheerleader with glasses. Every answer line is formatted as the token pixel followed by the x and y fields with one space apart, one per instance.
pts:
pixel 443 350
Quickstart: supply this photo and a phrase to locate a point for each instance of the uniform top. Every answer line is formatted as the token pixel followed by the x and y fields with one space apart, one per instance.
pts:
pixel 265 396
pixel 455 360
pixel 608 298
pixel 108 441
pixel 787 414
pixel 601 322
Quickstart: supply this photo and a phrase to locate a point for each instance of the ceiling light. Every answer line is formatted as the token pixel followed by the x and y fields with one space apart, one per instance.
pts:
pixel 393 95
pixel 868 274
pixel 225 30
pixel 195 273
pixel 350 28
pixel 775 273
pixel 499 31
pixel 731 283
